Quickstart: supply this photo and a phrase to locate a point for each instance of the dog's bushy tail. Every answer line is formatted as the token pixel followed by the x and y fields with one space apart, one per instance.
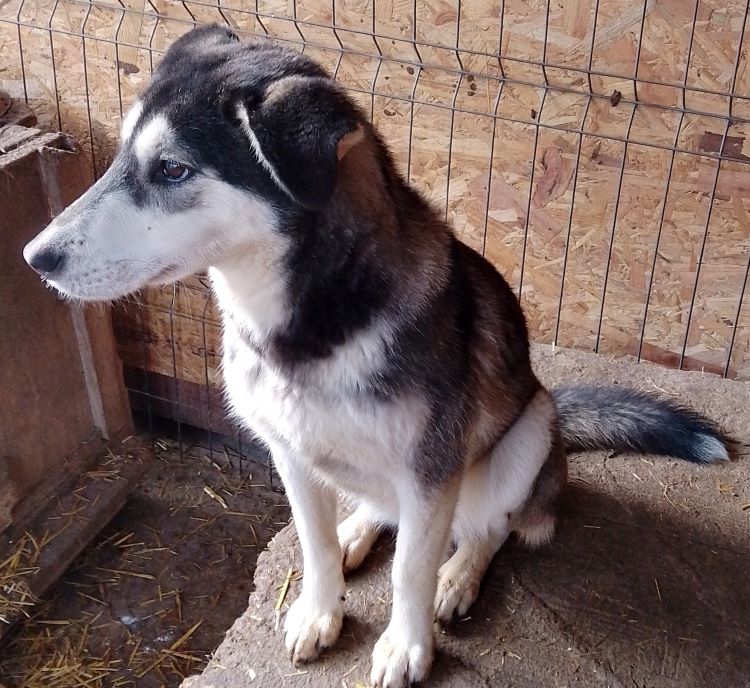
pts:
pixel 622 419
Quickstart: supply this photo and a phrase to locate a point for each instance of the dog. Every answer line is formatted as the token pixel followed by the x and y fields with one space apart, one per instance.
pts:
pixel 376 356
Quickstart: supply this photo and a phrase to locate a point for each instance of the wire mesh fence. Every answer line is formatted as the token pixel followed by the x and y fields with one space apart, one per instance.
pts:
pixel 594 150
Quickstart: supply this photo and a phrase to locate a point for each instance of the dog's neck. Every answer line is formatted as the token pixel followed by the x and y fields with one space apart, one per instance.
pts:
pixel 328 276
pixel 251 292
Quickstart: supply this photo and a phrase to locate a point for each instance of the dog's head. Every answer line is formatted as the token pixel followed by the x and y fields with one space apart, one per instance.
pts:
pixel 227 139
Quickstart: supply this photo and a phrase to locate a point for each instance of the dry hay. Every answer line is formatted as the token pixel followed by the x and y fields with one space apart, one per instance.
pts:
pixel 49 653
pixel 125 613
pixel 623 248
pixel 54 653
pixel 15 594
pixel 24 561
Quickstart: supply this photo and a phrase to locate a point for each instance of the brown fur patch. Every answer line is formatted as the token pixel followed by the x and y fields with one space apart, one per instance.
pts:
pixel 348 141
pixel 535 523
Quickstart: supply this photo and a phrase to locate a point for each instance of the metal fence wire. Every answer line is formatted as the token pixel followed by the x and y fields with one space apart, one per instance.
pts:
pixel 594 150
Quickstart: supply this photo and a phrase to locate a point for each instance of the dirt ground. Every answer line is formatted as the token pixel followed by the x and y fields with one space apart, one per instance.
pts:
pixel 645 585
pixel 152 597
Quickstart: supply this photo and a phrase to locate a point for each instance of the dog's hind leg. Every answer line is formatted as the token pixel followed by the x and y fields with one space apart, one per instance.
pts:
pixel 357 534
pixel 493 492
pixel 460 577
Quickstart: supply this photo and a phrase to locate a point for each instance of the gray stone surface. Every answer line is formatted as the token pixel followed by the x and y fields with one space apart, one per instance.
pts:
pixel 645 585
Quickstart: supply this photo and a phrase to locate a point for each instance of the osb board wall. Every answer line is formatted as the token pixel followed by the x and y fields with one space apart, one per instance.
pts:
pixel 614 241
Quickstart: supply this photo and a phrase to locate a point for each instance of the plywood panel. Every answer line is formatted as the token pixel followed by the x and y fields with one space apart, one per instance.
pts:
pixel 512 117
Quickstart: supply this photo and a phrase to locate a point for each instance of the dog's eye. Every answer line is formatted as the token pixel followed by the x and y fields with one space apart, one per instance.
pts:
pixel 174 171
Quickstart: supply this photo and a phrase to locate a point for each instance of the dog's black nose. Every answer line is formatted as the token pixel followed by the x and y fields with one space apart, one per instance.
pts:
pixel 46 260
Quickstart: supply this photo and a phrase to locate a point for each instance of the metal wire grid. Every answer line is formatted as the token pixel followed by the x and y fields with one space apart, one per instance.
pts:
pixel 234 445
pixel 553 79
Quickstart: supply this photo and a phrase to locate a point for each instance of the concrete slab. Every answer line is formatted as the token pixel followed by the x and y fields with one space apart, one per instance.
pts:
pixel 646 583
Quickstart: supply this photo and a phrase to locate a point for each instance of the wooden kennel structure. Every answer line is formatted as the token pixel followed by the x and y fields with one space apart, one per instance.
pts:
pixel 67 455
pixel 596 151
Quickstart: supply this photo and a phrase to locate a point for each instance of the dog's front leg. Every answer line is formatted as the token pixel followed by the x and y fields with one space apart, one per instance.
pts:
pixel 403 654
pixel 314 619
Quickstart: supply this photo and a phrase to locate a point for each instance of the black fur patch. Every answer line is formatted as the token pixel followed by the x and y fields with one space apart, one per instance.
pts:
pixel 199 83
pixel 298 133
pixel 336 287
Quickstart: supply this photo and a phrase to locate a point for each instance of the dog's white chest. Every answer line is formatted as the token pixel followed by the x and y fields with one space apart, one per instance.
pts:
pixel 348 437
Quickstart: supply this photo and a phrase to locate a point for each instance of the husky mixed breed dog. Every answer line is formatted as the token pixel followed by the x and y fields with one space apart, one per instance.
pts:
pixel 376 355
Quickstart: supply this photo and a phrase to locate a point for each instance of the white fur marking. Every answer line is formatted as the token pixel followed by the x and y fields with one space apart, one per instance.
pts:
pixel 403 654
pixel 357 534
pixel 250 287
pixel 267 166
pixel 153 136
pixel 460 577
pixel 130 120
pixel 314 620
pixel 711 449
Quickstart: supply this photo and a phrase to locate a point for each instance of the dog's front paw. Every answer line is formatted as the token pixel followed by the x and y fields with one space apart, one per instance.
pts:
pixel 309 628
pixel 398 661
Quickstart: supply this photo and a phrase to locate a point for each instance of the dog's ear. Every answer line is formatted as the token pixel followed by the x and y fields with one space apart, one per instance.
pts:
pixel 204 35
pixel 194 41
pixel 299 129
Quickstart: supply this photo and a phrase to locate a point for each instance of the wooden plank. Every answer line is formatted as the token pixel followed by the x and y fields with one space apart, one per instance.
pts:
pixel 130 33
pixel 62 377
pixel 45 415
